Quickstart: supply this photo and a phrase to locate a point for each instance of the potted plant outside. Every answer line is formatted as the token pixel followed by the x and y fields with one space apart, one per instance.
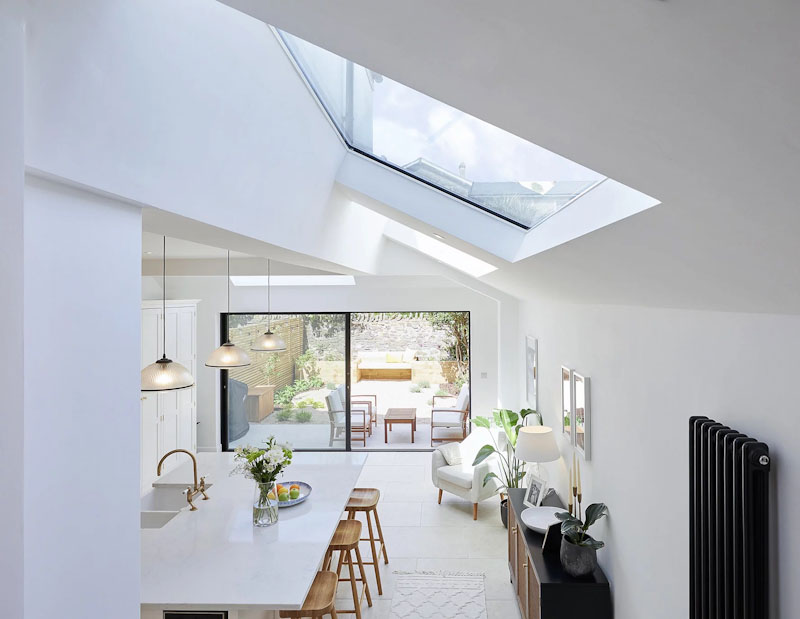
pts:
pixel 512 469
pixel 578 548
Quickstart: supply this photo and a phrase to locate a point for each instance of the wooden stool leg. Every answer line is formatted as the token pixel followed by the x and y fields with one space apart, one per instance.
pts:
pixel 363 576
pixel 356 600
pixel 474 511
pixel 440 496
pixel 340 564
pixel 375 555
pixel 333 613
pixel 380 536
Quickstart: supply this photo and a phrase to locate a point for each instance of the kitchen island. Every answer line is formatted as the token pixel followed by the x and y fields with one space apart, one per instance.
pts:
pixel 215 559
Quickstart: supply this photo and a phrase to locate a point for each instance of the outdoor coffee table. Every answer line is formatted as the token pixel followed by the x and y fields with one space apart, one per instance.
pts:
pixel 399 415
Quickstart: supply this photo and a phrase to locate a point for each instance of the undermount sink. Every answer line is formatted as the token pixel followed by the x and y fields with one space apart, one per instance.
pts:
pixel 161 504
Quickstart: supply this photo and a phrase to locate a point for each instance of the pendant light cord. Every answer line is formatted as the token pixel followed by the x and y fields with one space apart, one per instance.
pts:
pixel 228 280
pixel 269 295
pixel 164 294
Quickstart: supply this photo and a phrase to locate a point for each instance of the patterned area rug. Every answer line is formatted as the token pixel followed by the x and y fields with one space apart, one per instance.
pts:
pixel 430 595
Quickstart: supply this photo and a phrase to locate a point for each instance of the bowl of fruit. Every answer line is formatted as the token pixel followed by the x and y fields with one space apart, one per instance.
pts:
pixel 291 493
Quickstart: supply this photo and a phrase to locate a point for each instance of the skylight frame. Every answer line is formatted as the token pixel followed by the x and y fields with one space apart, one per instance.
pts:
pixel 320 98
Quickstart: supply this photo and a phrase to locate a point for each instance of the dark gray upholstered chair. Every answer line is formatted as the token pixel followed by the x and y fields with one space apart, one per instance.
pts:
pixel 238 425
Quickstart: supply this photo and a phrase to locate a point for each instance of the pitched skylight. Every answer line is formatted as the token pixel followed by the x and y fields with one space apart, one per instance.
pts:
pixel 439 145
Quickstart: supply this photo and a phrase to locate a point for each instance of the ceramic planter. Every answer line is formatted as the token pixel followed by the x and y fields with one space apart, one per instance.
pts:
pixel 577 560
pixel 504 512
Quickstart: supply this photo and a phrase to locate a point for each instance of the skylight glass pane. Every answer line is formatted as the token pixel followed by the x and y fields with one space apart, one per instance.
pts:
pixel 434 142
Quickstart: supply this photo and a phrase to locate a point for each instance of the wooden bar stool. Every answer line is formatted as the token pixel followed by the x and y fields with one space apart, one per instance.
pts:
pixel 366 500
pixel 320 599
pixel 345 542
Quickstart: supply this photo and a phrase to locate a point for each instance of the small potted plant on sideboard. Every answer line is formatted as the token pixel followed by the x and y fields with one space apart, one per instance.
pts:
pixel 578 548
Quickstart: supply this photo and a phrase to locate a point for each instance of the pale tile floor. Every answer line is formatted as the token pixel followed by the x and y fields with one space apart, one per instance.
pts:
pixel 423 535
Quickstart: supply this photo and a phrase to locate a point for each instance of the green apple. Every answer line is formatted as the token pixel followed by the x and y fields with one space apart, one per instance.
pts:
pixel 283 496
pixel 295 493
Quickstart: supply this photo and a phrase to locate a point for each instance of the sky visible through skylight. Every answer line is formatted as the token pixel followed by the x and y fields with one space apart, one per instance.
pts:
pixel 408 124
pixel 439 144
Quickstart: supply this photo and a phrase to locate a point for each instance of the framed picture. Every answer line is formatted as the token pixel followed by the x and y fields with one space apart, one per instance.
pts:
pixel 567 417
pixel 532 372
pixel 535 491
pixel 582 415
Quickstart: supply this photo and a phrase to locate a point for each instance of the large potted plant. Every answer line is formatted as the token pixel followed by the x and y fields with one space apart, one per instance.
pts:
pixel 578 548
pixel 512 469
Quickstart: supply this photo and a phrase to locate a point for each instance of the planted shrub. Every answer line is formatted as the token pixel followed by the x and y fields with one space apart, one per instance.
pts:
pixel 285 395
pixel 330 386
pixel 303 416
pixel 442 392
pixel 415 389
pixel 424 384
pixel 284 415
pixel 309 403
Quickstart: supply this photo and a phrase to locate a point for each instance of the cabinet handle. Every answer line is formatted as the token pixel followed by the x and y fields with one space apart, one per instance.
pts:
pixel 524 566
pixel 513 529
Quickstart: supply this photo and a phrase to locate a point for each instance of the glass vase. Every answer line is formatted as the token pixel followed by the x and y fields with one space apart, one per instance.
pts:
pixel 265 505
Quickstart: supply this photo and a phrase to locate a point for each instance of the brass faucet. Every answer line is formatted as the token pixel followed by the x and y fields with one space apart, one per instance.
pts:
pixel 197 488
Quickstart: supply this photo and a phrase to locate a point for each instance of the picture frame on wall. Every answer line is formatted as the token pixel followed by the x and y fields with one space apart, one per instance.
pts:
pixel 582 415
pixel 567 416
pixel 535 491
pixel 532 372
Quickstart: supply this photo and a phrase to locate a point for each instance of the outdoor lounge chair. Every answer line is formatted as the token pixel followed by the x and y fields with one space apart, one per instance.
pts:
pixel 359 419
pixel 357 401
pixel 455 417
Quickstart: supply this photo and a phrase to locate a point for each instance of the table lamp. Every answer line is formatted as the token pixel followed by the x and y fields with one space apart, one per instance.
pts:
pixel 537 444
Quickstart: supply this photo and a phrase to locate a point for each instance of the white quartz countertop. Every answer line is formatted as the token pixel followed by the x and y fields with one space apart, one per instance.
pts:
pixel 214 558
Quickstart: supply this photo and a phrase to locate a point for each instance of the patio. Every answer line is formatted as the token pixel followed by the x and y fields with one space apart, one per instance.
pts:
pixel 314 433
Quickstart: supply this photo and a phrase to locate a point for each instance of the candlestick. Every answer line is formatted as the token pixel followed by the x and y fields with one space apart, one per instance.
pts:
pixel 569 492
pixel 578 507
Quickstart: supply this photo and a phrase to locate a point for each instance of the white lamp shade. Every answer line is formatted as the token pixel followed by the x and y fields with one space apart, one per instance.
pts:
pixel 228 356
pixel 537 444
pixel 166 375
pixel 268 342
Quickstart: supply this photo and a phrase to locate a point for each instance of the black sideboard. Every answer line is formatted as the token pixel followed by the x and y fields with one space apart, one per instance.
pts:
pixel 544 590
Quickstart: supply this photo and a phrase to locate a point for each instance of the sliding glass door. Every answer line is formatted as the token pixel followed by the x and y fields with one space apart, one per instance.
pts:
pixel 374 381
pixel 296 395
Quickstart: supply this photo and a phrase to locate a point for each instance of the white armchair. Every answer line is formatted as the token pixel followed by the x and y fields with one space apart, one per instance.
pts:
pixel 452 470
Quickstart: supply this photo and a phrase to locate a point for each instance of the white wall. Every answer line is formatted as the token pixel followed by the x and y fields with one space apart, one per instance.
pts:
pixel 12 175
pixel 81 388
pixel 371 294
pixel 191 107
pixel 650 370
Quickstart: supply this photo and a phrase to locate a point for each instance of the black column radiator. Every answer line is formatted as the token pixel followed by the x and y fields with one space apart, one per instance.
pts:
pixel 729 523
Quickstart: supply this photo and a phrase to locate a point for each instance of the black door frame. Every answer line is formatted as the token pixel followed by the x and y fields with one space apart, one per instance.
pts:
pixel 223 375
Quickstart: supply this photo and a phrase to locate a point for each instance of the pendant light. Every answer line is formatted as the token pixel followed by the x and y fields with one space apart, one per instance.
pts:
pixel 228 355
pixel 269 342
pixel 165 374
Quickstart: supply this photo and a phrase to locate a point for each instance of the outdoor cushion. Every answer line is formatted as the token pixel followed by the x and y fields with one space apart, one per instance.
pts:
pixel 446 420
pixel 451 453
pixel 342 391
pixel 463 397
pixel 383 365
pixel 393 357
pixel 334 402
pixel 408 355
pixel 457 475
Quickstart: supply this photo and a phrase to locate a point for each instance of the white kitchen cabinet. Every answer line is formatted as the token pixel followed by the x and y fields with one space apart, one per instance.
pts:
pixel 168 418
